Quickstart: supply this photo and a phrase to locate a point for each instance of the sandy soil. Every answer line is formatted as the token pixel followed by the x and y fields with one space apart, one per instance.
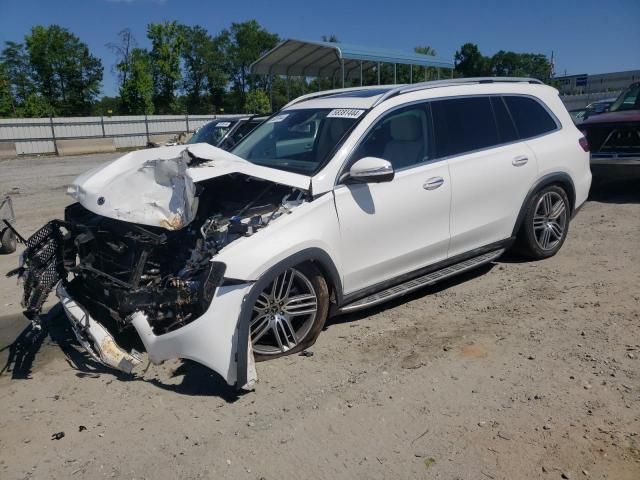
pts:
pixel 521 370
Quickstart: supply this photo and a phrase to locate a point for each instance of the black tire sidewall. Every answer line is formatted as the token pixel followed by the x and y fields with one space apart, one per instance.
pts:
pixel 322 291
pixel 530 245
pixel 8 241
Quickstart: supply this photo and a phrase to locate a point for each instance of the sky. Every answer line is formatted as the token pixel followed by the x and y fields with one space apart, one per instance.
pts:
pixel 586 36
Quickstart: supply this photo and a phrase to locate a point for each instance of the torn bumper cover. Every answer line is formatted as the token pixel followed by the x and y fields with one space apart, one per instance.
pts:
pixel 213 340
pixel 215 335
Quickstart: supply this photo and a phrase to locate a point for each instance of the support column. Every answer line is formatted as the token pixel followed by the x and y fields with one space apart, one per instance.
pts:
pixel 342 62
pixel 378 71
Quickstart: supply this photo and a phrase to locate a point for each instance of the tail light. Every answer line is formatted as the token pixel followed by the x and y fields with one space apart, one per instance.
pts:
pixel 584 144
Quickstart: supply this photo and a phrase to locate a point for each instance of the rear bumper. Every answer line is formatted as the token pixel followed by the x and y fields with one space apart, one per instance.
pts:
pixel 211 340
pixel 615 168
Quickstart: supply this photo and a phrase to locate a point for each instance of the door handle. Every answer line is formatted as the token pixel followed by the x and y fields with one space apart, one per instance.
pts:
pixel 519 161
pixel 433 183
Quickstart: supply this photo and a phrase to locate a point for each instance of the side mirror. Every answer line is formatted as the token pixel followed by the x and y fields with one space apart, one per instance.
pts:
pixel 371 170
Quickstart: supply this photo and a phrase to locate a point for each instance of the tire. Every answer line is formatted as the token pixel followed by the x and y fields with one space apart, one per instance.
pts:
pixel 7 241
pixel 546 223
pixel 279 325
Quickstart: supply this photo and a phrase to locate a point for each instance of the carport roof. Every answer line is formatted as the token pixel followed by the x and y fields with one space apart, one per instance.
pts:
pixel 305 58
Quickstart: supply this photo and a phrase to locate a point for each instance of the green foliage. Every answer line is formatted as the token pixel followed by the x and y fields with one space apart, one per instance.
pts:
pixel 189 70
pixel 257 101
pixel 166 47
pixel 204 69
pixel 247 42
pixel 7 102
pixel 122 50
pixel 35 106
pixel 469 62
pixel 63 70
pixel 17 69
pixel 136 93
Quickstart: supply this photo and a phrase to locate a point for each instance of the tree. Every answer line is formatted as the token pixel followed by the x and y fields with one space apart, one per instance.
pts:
pixel 122 50
pixel 166 48
pixel 247 42
pixel 425 73
pixel 7 102
pixel 469 62
pixel 257 101
pixel 35 106
pixel 204 68
pixel 217 69
pixel 18 72
pixel 332 38
pixel 65 73
pixel 136 94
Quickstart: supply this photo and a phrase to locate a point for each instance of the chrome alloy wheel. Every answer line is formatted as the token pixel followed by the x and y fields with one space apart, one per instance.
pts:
pixel 549 220
pixel 283 314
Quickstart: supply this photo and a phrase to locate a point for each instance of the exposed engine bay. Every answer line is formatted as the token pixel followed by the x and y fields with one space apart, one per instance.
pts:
pixel 114 268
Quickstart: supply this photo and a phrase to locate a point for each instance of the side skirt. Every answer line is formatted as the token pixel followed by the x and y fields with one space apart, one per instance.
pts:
pixel 422 278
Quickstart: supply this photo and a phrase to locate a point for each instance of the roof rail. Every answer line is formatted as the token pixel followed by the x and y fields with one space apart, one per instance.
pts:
pixel 326 93
pixel 399 90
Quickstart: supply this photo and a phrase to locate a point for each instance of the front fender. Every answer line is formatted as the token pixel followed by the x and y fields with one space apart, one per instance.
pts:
pixel 310 229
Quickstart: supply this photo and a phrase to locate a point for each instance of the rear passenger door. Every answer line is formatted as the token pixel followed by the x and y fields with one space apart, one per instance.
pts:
pixel 491 169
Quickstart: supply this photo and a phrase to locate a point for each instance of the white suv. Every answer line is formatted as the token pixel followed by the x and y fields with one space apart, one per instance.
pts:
pixel 342 200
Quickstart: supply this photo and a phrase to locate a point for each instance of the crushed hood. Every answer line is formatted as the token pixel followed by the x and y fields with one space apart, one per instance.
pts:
pixel 156 186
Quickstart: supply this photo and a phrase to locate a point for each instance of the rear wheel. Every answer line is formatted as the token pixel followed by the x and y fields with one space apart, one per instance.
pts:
pixel 546 223
pixel 289 313
pixel 7 241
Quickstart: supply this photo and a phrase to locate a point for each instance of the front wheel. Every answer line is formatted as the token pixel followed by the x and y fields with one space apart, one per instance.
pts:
pixel 289 313
pixel 546 223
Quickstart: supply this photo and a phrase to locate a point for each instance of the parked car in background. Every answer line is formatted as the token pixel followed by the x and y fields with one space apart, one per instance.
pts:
pixel 342 200
pixel 226 133
pixel 614 137
pixel 596 108
pixel 578 115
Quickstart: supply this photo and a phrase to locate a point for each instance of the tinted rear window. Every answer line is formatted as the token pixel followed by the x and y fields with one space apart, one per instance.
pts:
pixel 531 118
pixel 506 128
pixel 463 125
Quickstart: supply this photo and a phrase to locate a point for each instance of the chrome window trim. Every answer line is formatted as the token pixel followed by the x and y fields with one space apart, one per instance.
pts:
pixel 559 127
pixel 340 177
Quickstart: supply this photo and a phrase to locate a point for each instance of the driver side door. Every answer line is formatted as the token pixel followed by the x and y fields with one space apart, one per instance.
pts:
pixel 394 228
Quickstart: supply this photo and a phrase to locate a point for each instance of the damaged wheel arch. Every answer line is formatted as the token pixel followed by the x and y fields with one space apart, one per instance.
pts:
pixel 313 255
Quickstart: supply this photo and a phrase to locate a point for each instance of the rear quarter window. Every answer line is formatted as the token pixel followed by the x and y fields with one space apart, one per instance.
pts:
pixel 530 117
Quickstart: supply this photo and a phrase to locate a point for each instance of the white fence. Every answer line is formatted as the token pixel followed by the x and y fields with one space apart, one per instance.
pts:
pixel 39 135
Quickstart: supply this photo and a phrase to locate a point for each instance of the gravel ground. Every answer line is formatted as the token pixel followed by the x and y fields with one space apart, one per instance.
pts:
pixel 521 370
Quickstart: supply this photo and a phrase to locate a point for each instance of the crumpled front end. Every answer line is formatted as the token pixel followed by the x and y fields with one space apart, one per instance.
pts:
pixel 164 285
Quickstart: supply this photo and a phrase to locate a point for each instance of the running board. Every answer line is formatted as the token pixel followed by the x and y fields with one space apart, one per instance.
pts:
pixel 422 281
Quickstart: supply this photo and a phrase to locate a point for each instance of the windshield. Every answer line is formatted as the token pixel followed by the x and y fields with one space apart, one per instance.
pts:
pixel 297 140
pixel 212 132
pixel 628 100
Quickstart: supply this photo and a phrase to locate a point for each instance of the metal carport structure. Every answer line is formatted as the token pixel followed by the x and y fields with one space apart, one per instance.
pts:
pixel 325 59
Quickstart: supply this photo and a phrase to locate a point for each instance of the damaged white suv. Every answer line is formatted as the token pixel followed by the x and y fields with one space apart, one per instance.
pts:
pixel 341 200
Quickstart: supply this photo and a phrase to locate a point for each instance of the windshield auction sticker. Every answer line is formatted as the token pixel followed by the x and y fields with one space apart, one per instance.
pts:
pixel 223 124
pixel 278 118
pixel 345 113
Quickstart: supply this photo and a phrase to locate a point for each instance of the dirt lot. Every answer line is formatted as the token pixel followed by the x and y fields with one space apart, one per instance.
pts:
pixel 518 371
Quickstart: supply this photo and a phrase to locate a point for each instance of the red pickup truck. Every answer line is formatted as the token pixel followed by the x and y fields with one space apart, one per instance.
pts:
pixel 614 137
